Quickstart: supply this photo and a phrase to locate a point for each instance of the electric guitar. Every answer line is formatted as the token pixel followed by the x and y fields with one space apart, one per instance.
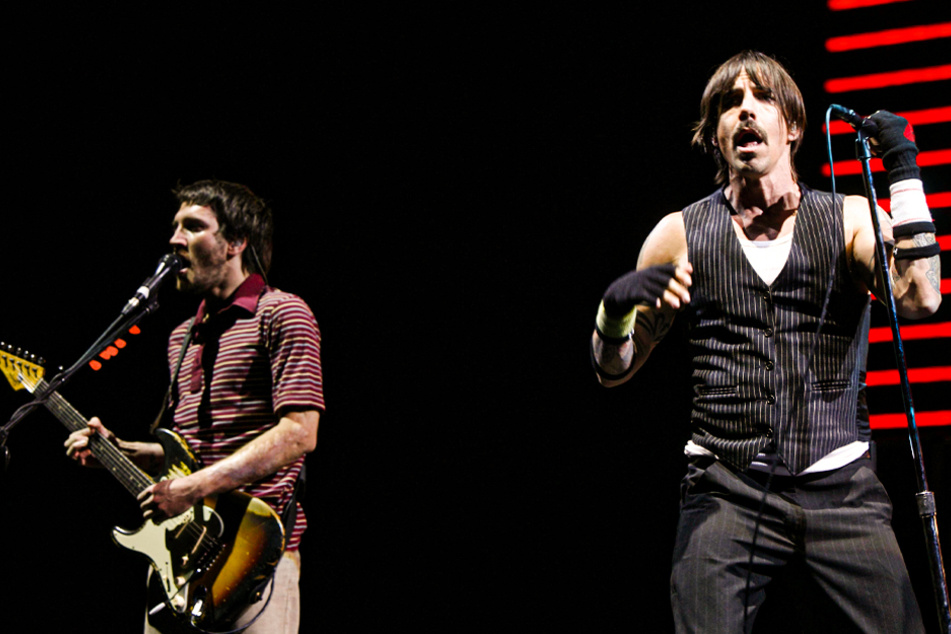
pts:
pixel 211 562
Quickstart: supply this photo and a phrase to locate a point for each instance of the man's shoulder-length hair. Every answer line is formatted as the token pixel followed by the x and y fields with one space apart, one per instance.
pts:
pixel 768 74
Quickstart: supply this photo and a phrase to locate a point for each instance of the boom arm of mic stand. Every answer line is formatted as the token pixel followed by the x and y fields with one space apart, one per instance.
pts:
pixel 924 497
pixel 123 323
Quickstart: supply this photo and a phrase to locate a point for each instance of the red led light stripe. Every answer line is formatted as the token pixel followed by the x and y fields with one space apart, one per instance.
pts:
pixel 840 127
pixel 911 332
pixel 944 242
pixel 844 5
pixel 915 375
pixel 853 167
pixel 893 78
pixel 937 201
pixel 915 118
pixel 889 37
pixel 900 421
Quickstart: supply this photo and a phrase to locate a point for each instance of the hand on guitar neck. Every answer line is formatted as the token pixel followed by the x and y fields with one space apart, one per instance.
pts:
pixel 148 456
pixel 165 498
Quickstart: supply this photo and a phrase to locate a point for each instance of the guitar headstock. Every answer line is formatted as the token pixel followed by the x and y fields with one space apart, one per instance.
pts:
pixel 22 369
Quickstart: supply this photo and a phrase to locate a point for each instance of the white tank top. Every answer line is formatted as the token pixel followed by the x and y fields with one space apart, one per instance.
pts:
pixel 768 257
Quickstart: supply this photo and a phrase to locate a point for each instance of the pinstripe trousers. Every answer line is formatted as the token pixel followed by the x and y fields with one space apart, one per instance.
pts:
pixel 828 537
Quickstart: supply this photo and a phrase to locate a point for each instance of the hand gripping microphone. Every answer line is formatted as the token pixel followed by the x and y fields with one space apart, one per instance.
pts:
pixel 855 120
pixel 169 264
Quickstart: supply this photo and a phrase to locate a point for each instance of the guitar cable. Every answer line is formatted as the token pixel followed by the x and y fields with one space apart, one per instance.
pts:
pixel 192 623
pixel 192 618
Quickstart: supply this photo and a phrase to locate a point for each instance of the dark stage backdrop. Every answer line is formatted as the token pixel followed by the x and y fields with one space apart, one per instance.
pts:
pixel 454 186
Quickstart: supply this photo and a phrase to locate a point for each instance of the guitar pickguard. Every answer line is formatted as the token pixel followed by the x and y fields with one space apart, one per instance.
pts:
pixel 176 549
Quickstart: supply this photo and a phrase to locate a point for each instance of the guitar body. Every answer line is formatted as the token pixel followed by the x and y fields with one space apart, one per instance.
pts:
pixel 211 562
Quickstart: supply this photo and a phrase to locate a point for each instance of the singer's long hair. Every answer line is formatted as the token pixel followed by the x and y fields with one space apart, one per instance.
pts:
pixel 240 215
pixel 767 74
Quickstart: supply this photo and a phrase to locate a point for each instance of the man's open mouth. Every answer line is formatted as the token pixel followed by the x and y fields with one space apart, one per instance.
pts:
pixel 748 138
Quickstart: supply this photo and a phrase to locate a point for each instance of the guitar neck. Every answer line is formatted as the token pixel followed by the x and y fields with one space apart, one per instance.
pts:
pixel 110 456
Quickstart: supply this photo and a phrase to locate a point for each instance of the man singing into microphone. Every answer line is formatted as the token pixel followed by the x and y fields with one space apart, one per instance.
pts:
pixel 774 279
pixel 248 392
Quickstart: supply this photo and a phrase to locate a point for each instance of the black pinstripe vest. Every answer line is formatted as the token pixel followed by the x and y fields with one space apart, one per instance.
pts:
pixel 751 341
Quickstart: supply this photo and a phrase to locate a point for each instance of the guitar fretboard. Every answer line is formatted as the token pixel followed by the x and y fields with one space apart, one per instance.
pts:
pixel 109 455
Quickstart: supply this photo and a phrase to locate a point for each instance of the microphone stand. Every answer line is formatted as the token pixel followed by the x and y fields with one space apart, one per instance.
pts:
pixel 924 497
pixel 125 321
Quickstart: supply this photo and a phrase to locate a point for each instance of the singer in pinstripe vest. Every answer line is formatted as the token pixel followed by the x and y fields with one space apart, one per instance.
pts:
pixel 775 279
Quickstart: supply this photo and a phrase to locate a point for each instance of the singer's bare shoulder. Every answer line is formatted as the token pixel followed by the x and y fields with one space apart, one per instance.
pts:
pixel 666 243
pixel 857 218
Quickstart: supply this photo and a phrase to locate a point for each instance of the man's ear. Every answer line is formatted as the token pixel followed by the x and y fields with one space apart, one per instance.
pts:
pixel 794 132
pixel 236 247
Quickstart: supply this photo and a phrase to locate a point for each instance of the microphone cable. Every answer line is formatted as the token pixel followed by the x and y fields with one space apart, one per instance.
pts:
pixel 837 211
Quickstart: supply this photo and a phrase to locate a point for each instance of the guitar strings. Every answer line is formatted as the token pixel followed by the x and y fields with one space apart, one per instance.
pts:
pixel 120 465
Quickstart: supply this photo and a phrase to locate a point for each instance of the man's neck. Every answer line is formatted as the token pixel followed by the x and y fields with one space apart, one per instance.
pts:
pixel 217 297
pixel 763 205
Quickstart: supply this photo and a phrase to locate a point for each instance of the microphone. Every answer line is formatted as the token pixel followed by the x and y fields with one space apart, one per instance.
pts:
pixel 169 264
pixel 858 122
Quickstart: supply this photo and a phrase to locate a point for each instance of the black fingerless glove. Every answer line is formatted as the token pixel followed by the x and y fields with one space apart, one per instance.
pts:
pixel 637 287
pixel 896 143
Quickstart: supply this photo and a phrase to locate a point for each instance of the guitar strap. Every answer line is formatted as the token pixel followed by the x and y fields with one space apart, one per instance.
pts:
pixel 171 386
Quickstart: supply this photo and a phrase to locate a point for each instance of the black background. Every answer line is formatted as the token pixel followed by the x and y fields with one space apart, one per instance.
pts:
pixel 453 189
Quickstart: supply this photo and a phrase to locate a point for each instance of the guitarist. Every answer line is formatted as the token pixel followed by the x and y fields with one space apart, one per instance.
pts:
pixel 248 393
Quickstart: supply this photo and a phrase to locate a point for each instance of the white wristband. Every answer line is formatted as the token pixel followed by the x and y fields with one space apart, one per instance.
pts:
pixel 909 207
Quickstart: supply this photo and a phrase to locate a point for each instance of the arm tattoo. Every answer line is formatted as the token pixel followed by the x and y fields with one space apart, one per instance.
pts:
pixel 613 358
pixel 933 274
pixel 656 323
pixel 616 360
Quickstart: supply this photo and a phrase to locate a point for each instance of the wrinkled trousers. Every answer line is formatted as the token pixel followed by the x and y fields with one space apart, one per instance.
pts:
pixel 829 534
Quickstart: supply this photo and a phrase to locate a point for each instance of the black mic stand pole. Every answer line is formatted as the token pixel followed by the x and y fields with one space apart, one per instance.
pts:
pixel 126 320
pixel 924 497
